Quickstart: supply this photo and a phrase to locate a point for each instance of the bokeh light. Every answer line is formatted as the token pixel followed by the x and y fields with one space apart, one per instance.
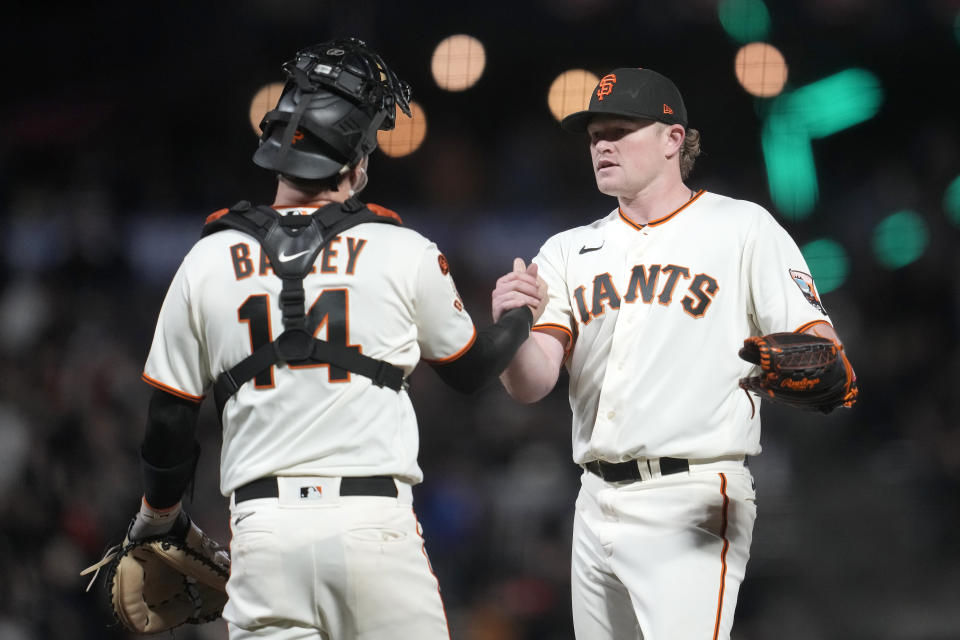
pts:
pixel 951 201
pixel 828 262
pixel 408 134
pixel 264 100
pixel 795 118
pixel 570 92
pixel 791 169
pixel 458 62
pixel 744 20
pixel 836 102
pixel 900 239
pixel 761 69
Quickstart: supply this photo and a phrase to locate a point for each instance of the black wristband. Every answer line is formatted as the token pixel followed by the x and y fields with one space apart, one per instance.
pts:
pixel 164 486
pixel 490 353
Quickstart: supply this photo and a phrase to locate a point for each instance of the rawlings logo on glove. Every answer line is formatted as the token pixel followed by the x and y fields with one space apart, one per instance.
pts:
pixel 163 581
pixel 800 370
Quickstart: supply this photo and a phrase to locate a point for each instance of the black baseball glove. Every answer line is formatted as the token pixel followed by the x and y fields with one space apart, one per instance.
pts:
pixel 800 370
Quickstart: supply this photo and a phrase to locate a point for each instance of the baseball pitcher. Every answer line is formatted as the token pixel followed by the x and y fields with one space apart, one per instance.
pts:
pixel 668 313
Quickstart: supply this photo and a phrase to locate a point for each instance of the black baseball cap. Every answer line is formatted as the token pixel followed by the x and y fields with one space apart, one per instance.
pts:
pixel 631 92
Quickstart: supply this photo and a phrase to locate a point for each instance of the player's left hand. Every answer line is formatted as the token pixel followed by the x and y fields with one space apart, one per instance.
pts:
pixel 520 287
pixel 801 370
pixel 159 582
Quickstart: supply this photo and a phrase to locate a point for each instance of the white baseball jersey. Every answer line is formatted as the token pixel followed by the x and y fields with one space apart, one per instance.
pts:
pixel 383 289
pixel 656 315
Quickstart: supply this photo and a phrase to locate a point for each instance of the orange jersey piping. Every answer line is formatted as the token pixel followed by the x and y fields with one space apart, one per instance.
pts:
pixel 723 553
pixel 423 549
pixel 459 353
pixel 174 392
pixel 548 326
pixel 670 215
pixel 376 208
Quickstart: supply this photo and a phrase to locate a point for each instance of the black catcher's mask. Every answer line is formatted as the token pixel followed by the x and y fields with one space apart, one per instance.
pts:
pixel 337 96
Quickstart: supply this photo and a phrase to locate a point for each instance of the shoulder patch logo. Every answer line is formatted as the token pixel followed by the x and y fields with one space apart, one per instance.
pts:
pixel 444 265
pixel 809 290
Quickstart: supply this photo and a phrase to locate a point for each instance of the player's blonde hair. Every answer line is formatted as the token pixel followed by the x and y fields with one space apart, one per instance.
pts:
pixel 689 152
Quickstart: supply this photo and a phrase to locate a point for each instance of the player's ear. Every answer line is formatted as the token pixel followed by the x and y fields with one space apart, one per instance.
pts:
pixel 673 137
pixel 358 176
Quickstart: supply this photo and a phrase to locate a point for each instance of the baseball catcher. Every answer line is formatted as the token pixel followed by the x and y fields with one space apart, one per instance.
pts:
pixel 303 320
pixel 166 573
pixel 800 370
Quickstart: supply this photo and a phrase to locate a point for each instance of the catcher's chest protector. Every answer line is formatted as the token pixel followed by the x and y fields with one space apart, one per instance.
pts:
pixel 293 242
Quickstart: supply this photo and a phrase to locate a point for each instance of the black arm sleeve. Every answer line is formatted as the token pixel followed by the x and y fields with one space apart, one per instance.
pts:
pixel 169 452
pixel 489 354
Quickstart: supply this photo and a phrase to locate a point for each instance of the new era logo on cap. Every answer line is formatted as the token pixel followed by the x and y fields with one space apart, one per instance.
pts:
pixel 632 92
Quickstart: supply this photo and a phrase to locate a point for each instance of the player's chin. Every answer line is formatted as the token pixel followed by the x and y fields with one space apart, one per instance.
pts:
pixel 607 186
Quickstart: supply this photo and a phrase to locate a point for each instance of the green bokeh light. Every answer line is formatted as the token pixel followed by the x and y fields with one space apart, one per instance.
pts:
pixel 900 239
pixel 951 201
pixel 791 170
pixel 744 20
pixel 836 102
pixel 794 119
pixel 828 262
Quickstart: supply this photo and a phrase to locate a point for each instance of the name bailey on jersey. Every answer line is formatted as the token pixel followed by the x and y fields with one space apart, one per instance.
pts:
pixel 647 282
pixel 330 259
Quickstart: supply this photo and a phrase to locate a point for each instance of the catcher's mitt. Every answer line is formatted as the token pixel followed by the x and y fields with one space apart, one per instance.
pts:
pixel 800 370
pixel 162 582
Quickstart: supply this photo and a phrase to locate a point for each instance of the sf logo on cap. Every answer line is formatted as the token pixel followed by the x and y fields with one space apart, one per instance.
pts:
pixel 606 85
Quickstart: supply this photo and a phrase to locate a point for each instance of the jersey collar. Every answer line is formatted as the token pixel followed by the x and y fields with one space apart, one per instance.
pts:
pixel 658 221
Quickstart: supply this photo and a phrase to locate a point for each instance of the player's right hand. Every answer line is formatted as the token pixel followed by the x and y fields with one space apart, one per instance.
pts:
pixel 520 287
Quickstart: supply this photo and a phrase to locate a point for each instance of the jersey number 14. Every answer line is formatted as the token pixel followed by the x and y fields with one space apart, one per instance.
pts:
pixel 329 310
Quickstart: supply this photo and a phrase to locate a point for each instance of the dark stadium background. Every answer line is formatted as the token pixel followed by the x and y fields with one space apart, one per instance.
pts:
pixel 124 124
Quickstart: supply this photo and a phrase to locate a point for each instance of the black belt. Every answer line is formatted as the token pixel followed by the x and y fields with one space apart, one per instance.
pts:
pixel 630 470
pixel 384 486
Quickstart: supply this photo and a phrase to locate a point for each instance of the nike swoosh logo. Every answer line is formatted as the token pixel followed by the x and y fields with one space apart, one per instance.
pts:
pixel 285 258
pixel 242 517
pixel 585 249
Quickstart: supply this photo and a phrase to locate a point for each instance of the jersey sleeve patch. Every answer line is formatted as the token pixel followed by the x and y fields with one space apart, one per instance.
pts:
pixel 444 265
pixel 805 282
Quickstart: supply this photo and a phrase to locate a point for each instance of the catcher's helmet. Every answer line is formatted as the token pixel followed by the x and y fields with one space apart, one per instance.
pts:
pixel 337 96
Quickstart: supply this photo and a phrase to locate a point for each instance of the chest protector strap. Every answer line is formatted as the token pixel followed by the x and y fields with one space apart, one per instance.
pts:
pixel 293 242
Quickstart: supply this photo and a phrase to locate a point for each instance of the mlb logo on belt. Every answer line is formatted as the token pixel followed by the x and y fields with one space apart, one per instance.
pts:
pixel 311 493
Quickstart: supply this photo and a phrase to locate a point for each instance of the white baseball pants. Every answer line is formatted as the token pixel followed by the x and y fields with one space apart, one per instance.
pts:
pixel 662 559
pixel 314 565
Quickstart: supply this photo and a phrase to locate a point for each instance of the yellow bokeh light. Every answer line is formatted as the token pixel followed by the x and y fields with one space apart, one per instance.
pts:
pixel 761 69
pixel 264 100
pixel 408 134
pixel 458 62
pixel 570 92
